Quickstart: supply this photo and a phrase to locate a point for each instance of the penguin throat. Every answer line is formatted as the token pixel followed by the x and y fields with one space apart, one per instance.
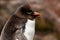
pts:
pixel 30 29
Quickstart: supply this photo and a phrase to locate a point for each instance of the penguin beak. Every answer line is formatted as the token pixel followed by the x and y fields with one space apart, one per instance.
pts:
pixel 36 14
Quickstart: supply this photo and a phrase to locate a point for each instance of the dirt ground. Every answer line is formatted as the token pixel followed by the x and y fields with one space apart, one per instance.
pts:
pixel 41 36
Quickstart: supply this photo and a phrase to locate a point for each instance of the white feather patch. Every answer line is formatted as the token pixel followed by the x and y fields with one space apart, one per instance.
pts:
pixel 16 39
pixel 30 29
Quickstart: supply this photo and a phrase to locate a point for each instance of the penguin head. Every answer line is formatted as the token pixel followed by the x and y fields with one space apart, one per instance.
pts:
pixel 26 12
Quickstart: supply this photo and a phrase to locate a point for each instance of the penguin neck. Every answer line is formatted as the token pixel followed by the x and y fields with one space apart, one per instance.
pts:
pixel 30 29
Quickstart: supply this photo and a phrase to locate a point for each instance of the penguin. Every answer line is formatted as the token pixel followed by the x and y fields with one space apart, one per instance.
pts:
pixel 23 19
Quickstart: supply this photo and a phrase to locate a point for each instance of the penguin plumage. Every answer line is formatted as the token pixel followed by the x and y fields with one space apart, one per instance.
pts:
pixel 17 22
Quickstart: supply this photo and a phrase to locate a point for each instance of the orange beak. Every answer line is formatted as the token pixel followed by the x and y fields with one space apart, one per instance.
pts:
pixel 36 13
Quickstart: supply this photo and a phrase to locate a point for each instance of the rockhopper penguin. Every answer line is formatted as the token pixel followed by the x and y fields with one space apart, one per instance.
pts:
pixel 22 19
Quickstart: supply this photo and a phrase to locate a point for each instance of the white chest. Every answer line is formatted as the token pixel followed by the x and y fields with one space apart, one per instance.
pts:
pixel 30 29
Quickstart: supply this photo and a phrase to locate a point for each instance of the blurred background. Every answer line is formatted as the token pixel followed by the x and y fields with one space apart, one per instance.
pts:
pixel 47 25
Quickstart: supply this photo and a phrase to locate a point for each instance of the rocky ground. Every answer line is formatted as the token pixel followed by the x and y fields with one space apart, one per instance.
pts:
pixel 49 36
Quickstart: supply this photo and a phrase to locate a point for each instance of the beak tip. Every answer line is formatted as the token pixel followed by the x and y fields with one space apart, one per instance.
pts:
pixel 37 13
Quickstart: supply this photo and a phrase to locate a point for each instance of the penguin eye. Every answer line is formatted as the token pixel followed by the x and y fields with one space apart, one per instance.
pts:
pixel 29 12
